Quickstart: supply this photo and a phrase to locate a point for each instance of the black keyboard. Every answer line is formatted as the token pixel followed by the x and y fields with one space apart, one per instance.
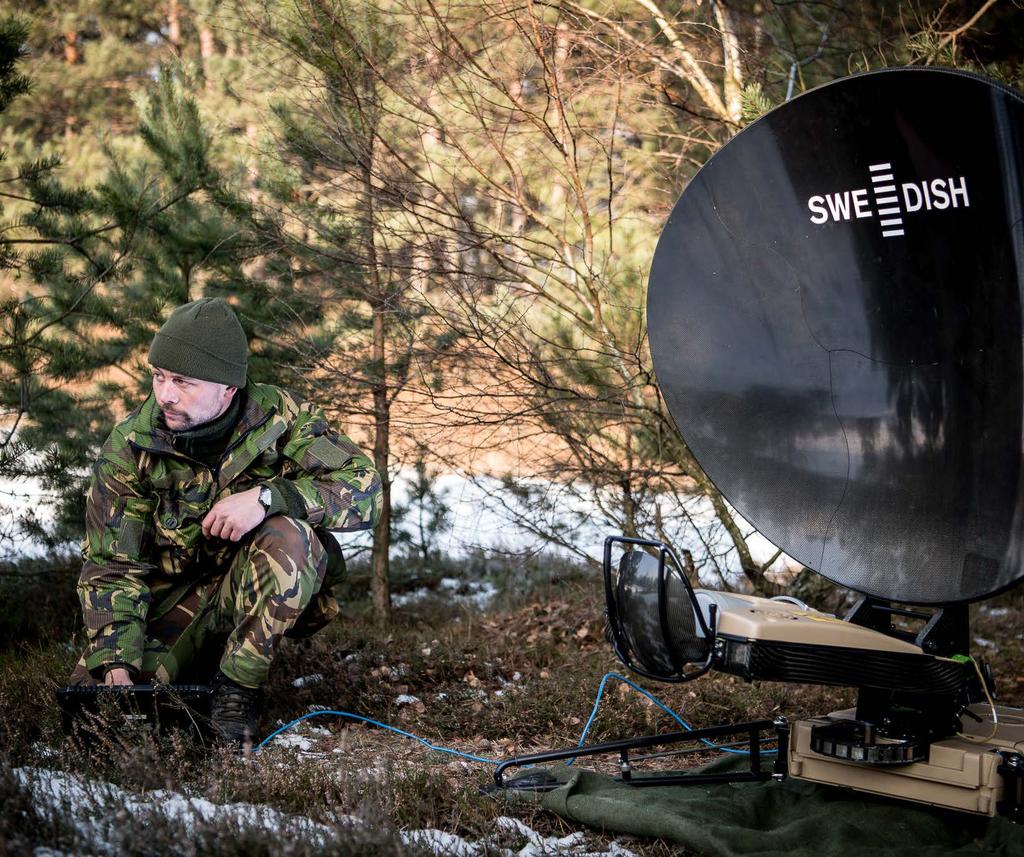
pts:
pixel 87 711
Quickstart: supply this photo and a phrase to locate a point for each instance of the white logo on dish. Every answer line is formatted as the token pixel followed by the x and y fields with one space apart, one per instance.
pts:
pixel 887 201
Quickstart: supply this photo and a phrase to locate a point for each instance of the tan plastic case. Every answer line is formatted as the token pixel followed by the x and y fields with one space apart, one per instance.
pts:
pixel 747 617
pixel 959 774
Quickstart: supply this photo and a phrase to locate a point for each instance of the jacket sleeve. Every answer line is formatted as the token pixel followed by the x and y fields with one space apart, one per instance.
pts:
pixel 332 484
pixel 113 586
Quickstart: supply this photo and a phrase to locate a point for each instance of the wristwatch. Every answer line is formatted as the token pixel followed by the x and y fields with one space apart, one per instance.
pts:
pixel 265 497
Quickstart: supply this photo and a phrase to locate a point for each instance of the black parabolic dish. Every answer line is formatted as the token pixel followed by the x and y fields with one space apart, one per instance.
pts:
pixel 835 315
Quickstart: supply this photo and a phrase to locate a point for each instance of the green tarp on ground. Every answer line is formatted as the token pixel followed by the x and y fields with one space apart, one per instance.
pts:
pixel 791 818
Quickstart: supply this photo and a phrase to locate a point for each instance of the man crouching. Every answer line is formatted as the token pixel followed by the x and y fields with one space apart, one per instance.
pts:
pixel 207 523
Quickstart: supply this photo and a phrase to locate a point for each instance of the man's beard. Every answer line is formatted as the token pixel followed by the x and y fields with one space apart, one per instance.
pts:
pixel 182 422
pixel 195 420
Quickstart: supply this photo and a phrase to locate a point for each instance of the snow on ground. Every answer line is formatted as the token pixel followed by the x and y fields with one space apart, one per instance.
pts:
pixel 294 740
pixel 98 810
pixel 480 520
pixel 472 593
pixel 307 680
pixel 17 498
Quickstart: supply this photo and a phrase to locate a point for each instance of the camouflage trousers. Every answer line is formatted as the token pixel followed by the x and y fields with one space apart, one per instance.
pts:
pixel 278 583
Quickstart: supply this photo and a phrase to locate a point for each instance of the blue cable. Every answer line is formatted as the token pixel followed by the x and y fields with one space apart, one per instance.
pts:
pixel 486 761
pixel 662 706
pixel 380 725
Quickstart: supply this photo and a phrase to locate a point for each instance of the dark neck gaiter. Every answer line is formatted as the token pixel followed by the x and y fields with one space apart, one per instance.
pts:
pixel 206 443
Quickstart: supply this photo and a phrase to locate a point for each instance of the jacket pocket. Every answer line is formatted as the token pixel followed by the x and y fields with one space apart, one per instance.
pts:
pixel 326 454
pixel 132 529
pixel 179 528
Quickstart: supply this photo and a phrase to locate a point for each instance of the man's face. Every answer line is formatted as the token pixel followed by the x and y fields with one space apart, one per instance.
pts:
pixel 189 402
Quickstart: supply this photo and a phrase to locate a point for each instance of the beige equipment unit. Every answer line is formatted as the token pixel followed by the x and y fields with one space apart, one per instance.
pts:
pixel 962 772
pixel 971 771
pixel 925 728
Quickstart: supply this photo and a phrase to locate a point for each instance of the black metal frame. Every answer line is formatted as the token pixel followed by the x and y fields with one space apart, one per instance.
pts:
pixel 622 748
pixel 945 630
pixel 619 642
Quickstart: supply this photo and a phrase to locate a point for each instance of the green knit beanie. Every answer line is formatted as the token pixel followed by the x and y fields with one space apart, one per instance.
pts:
pixel 202 339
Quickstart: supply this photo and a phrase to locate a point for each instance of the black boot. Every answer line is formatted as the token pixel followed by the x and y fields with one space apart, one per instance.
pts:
pixel 235 712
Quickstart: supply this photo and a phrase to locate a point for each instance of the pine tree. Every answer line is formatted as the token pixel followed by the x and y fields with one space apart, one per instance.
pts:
pixel 87 59
pixel 104 265
pixel 13 83
pixel 211 242
pixel 340 181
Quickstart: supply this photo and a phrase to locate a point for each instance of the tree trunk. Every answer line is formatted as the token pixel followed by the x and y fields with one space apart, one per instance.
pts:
pixel 381 566
pixel 71 47
pixel 71 57
pixel 252 135
pixel 174 25
pixel 207 49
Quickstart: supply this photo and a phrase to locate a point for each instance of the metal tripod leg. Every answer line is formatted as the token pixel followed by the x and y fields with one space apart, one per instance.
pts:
pixel 621 748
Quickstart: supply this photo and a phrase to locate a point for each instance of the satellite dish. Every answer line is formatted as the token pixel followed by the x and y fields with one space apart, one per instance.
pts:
pixel 835 316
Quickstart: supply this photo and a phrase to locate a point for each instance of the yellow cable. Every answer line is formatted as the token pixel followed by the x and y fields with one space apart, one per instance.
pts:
pixel 984 686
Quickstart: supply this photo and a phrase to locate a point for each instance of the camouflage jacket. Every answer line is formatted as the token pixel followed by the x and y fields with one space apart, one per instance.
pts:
pixel 147 500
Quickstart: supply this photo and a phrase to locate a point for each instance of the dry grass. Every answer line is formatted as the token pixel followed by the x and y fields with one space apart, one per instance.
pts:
pixel 506 682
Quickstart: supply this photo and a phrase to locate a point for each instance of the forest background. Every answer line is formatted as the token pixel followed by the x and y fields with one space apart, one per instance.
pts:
pixel 435 220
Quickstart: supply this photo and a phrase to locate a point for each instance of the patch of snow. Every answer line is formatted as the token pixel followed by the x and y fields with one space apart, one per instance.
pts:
pixel 985 644
pixel 404 599
pixel 440 842
pixel 97 810
pixel 476 593
pixel 483 517
pixel 43 751
pixel 290 739
pixel 307 680
pixel 482 593
pixel 573 845
pixel 538 845
pixel 406 699
pixel 997 612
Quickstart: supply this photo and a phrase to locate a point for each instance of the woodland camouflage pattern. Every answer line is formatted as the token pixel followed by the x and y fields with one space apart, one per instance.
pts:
pixel 154 589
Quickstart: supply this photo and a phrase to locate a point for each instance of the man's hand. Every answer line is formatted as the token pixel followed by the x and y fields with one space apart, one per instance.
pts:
pixel 118 676
pixel 234 516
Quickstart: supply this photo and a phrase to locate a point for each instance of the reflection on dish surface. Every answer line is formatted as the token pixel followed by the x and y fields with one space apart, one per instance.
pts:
pixel 836 320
